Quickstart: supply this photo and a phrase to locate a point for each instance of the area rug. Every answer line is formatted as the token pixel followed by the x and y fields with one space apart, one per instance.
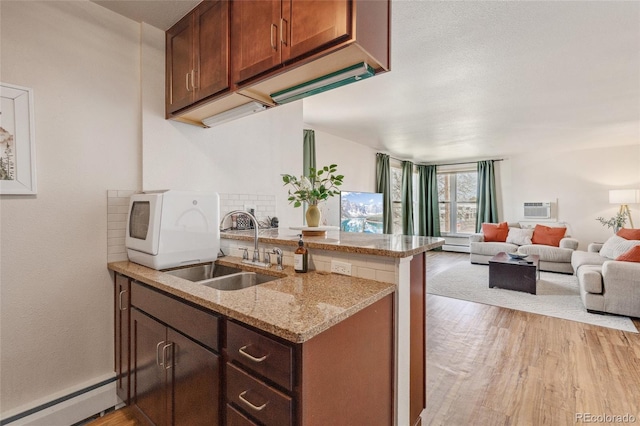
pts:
pixel 557 295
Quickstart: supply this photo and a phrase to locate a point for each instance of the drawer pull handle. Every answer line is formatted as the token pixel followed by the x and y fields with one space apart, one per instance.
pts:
pixel 253 407
pixel 252 358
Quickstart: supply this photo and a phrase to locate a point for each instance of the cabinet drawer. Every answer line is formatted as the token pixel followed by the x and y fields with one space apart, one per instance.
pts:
pixel 261 354
pixel 236 418
pixel 265 403
pixel 197 324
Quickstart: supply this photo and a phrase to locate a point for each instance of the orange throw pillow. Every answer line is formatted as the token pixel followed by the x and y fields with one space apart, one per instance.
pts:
pixel 632 255
pixel 495 232
pixel 629 234
pixel 547 235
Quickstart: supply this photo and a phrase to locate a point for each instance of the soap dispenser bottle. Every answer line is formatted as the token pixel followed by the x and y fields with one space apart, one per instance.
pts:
pixel 301 257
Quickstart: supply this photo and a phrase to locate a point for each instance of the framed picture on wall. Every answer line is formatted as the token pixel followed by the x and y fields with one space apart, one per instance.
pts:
pixel 17 141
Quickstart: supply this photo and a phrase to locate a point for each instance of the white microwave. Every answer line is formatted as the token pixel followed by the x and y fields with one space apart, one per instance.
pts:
pixel 172 228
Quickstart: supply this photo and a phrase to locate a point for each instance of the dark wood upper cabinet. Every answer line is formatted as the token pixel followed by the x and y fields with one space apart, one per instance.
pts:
pixel 267 34
pixel 313 25
pixel 255 38
pixel 227 53
pixel 197 56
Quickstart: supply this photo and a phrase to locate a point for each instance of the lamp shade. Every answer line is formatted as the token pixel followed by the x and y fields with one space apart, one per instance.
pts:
pixel 624 196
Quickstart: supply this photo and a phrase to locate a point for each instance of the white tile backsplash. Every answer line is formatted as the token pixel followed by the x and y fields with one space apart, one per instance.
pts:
pixel 265 204
pixel 117 206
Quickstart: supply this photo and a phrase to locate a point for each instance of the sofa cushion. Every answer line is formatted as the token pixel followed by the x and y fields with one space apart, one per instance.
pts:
pixel 547 253
pixel 491 249
pixel 590 279
pixel 519 236
pixel 615 246
pixel 495 232
pixel 629 234
pixel 580 258
pixel 633 255
pixel 547 235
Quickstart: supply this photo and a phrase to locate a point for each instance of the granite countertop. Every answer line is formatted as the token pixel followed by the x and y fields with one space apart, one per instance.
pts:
pixel 295 307
pixel 396 246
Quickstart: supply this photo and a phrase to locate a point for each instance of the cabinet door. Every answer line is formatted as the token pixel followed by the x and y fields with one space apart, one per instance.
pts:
pixel 313 25
pixel 212 48
pixel 255 37
pixel 195 382
pixel 180 71
pixel 122 305
pixel 148 369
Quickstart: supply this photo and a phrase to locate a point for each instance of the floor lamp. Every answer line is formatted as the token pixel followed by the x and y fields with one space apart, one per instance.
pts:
pixel 624 197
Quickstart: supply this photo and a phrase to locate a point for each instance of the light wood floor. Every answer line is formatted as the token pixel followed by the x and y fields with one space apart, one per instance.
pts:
pixel 488 365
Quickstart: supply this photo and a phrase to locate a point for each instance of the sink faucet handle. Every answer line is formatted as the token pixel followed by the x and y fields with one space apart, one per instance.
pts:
pixel 278 253
pixel 245 253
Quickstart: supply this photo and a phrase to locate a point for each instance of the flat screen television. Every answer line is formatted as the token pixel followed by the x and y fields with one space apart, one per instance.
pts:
pixel 361 212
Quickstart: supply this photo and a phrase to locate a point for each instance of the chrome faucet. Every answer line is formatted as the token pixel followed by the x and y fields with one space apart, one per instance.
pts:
pixel 256 252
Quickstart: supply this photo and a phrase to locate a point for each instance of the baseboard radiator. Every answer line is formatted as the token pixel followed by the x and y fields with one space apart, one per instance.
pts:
pixel 67 407
pixel 456 243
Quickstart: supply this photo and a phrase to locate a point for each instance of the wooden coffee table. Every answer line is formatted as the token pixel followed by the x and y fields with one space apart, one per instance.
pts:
pixel 512 274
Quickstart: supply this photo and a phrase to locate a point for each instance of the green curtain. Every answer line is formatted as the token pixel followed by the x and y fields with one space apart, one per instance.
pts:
pixel 407 198
pixel 308 160
pixel 383 185
pixel 309 151
pixel 487 203
pixel 428 207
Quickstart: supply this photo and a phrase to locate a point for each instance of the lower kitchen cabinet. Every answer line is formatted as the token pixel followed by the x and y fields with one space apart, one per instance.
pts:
pixel 190 366
pixel 342 376
pixel 122 291
pixel 175 381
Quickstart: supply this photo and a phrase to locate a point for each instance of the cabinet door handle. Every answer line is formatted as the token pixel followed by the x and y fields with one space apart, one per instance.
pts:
pixel 274 34
pixel 120 301
pixel 251 357
pixel 158 362
pixel 166 364
pixel 193 79
pixel 283 31
pixel 186 78
pixel 249 404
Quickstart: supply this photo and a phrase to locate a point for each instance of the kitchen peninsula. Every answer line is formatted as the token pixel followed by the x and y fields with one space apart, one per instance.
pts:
pixel 332 335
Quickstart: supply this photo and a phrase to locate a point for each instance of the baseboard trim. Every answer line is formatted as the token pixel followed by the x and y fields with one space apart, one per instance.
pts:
pixel 70 408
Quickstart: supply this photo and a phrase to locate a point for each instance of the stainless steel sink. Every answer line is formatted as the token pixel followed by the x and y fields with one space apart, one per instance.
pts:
pixel 237 281
pixel 203 272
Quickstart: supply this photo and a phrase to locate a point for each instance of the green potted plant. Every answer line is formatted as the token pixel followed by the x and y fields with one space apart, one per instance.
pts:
pixel 318 186
pixel 616 222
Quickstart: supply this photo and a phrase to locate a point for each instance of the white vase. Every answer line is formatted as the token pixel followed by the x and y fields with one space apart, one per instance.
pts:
pixel 313 215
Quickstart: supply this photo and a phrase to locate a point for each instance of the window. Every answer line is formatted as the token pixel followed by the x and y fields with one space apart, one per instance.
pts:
pixel 457 195
pixel 396 198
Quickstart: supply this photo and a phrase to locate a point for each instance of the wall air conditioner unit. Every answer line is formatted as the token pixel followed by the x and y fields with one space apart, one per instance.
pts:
pixel 234 113
pixel 537 210
pixel 336 79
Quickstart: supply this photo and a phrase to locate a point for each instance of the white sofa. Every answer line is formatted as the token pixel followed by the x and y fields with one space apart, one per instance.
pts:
pixel 552 259
pixel 607 285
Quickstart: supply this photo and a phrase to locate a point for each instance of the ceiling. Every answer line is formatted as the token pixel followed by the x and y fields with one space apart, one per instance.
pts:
pixel 482 79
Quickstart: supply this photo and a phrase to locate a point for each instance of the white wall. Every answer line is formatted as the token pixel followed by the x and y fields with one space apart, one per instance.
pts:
pixel 56 294
pixel 579 181
pixel 247 155
pixel 353 162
